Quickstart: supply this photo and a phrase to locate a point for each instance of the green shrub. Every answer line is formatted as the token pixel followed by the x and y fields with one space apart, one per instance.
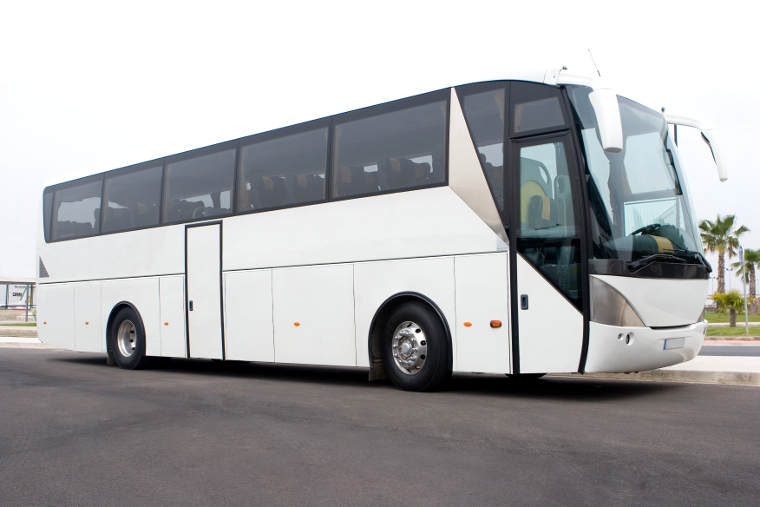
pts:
pixel 733 301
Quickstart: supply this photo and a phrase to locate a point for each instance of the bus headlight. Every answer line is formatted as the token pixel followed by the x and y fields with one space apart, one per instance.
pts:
pixel 609 307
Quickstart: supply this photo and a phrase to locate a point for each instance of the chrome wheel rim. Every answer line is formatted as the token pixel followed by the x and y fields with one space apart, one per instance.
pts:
pixel 409 347
pixel 126 338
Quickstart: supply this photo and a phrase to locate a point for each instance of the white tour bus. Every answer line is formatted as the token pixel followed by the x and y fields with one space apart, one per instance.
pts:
pixel 534 224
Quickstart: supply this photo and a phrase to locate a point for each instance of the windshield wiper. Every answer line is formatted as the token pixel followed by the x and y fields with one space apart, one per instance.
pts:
pixel 697 255
pixel 660 257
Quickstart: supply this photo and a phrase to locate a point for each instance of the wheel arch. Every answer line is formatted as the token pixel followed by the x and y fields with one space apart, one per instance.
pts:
pixel 375 338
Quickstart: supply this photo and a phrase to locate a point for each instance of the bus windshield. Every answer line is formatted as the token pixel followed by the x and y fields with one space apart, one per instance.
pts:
pixel 639 197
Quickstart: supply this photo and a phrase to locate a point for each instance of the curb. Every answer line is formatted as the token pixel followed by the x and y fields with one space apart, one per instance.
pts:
pixel 25 345
pixel 749 378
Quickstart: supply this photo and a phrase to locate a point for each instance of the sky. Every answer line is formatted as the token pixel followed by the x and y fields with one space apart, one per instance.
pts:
pixel 99 85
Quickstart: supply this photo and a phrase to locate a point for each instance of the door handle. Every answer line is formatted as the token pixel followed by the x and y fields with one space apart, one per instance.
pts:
pixel 191 306
pixel 523 302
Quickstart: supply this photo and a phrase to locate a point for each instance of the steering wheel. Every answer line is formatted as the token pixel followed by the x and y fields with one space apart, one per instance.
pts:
pixel 200 212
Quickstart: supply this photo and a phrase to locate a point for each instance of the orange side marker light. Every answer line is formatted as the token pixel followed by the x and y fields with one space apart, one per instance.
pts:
pixel 166 323
pixel 86 323
pixel 296 324
pixel 495 323
pixel 467 324
pixel 45 322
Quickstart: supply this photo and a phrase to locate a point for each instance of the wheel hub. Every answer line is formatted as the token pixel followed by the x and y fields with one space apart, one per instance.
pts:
pixel 126 338
pixel 409 346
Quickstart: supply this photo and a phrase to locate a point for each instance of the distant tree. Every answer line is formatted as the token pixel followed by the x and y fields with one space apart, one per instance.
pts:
pixel 751 262
pixel 720 236
pixel 731 303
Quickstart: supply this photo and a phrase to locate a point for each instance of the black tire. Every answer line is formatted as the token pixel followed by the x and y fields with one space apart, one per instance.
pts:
pixel 425 333
pixel 129 348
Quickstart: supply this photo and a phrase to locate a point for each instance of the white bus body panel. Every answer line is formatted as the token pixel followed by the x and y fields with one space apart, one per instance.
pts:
pixel 645 350
pixel 662 302
pixel 375 282
pixel 172 322
pixel 55 305
pixel 551 329
pixel 248 332
pixel 321 300
pixel 204 320
pixel 142 294
pixel 420 223
pixel 482 295
pixel 90 333
pixel 143 253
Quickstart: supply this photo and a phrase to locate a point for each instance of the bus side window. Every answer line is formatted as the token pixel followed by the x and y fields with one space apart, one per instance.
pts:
pixel 76 209
pixel 390 151
pixel 199 184
pixel 283 171
pixel 484 113
pixel 535 108
pixel 132 198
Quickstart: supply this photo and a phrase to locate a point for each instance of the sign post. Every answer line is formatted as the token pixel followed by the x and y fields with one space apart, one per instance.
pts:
pixel 744 284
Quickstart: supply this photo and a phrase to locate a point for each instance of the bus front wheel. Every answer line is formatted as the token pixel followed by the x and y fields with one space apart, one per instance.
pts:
pixel 127 340
pixel 416 348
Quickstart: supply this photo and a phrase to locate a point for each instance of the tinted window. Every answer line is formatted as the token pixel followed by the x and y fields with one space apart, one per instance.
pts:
pixel 485 118
pixel 546 203
pixel 390 151
pixel 282 172
pixel 76 209
pixel 133 199
pixel 47 211
pixel 548 236
pixel 535 108
pixel 199 187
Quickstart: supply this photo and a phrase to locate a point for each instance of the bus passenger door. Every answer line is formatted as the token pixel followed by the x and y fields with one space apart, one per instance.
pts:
pixel 203 275
pixel 548 255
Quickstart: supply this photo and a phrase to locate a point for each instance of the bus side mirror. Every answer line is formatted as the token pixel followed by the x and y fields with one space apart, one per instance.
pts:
pixel 710 136
pixel 605 104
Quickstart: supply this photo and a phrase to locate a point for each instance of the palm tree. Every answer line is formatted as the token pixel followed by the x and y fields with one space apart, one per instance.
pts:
pixel 751 262
pixel 720 236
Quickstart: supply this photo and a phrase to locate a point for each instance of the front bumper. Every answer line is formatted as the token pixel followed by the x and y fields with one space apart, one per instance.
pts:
pixel 613 349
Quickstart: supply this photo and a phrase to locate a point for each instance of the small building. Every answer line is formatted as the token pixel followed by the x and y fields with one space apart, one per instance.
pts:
pixel 16 292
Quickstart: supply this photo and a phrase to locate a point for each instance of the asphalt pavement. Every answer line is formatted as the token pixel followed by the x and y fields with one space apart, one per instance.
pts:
pixel 74 431
pixel 731 350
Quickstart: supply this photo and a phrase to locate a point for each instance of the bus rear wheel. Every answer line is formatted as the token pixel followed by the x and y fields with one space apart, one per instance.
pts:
pixel 416 348
pixel 127 340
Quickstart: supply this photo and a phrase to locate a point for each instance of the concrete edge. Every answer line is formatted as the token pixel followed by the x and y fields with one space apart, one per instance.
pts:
pixel 22 345
pixel 696 377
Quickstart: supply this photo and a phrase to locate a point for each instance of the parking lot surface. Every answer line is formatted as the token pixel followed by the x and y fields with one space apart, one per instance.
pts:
pixel 74 431
pixel 731 350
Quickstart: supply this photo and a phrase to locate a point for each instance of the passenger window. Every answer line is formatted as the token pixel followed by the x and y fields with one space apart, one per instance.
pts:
pixel 47 211
pixel 484 113
pixel 76 210
pixel 283 172
pixel 132 199
pixel 546 204
pixel 535 108
pixel 390 151
pixel 199 187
